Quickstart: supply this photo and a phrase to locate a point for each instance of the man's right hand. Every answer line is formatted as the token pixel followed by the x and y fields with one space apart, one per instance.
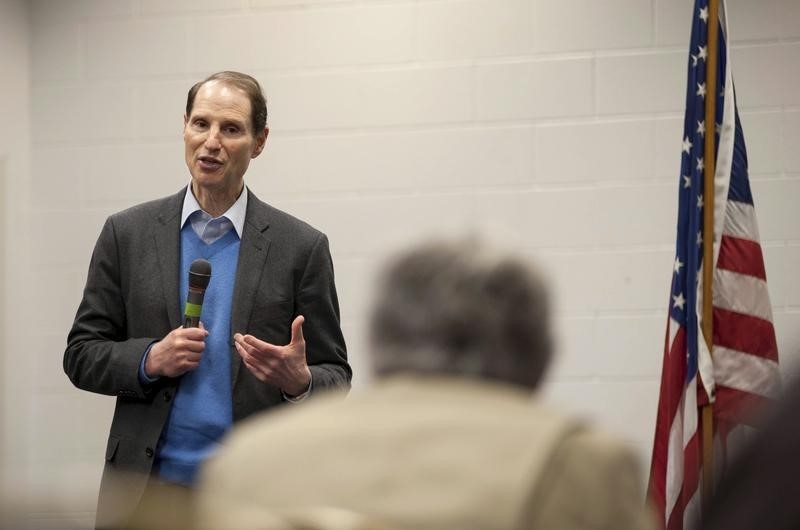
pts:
pixel 177 353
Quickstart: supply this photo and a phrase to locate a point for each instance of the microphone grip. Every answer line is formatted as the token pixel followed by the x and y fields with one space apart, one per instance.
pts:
pixel 194 306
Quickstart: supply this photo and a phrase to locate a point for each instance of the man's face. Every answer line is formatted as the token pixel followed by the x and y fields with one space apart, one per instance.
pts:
pixel 219 138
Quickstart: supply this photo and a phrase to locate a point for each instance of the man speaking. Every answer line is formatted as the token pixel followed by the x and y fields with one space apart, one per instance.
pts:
pixel 269 330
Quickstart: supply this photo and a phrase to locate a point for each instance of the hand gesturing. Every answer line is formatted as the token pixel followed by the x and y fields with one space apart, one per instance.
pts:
pixel 282 366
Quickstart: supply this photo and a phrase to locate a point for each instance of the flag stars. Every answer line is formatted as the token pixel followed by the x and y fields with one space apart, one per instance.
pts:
pixel 700 201
pixel 699 242
pixel 701 127
pixel 702 52
pixel 687 145
pixel 701 89
pixel 700 164
pixel 678 301
pixel 678 265
pixel 704 14
pixel 687 181
pixel 694 59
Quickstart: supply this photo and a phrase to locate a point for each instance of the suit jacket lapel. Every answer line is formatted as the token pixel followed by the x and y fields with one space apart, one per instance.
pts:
pixel 168 243
pixel 252 256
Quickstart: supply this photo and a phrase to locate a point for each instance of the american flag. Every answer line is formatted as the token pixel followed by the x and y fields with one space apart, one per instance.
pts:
pixel 743 371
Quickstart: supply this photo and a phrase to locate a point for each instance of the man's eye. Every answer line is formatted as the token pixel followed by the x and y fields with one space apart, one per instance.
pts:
pixel 200 124
pixel 232 130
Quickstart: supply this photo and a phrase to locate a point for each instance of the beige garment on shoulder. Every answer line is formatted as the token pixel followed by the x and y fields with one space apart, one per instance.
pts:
pixel 426 453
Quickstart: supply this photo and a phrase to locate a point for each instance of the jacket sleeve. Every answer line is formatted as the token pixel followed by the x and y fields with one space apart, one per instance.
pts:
pixel 100 357
pixel 317 301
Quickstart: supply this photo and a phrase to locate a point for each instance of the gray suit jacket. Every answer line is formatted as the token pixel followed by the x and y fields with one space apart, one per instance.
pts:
pixel 131 299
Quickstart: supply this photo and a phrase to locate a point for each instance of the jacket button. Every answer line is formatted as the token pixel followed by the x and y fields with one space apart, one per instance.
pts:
pixel 149 452
pixel 167 395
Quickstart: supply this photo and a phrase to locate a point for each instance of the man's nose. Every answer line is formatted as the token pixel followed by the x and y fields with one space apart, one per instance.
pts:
pixel 212 140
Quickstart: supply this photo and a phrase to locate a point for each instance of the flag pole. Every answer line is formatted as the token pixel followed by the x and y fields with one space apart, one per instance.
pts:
pixel 709 155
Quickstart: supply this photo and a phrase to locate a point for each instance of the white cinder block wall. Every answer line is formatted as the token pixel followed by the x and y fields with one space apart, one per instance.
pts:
pixel 552 126
pixel 15 171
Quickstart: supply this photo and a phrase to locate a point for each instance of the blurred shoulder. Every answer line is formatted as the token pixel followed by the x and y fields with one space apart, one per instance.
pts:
pixel 594 478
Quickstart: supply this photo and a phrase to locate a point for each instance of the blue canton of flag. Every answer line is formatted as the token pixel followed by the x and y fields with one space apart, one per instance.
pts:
pixel 689 247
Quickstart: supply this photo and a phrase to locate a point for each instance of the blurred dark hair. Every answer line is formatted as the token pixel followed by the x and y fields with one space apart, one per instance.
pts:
pixel 457 308
pixel 248 84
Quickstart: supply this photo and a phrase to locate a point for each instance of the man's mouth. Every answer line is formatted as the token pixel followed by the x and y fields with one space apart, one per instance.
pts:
pixel 209 163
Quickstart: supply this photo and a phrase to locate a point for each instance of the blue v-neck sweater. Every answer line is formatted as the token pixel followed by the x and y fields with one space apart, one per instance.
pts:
pixel 203 411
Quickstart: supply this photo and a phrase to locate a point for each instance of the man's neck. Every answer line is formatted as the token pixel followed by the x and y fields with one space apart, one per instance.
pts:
pixel 215 202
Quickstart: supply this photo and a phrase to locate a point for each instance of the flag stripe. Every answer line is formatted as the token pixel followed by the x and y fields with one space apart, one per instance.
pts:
pixel 736 406
pixel 741 255
pixel 668 403
pixel 745 333
pixel 675 469
pixel 745 372
pixel 740 221
pixel 742 294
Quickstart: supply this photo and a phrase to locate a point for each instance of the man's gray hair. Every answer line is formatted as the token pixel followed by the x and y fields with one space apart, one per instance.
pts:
pixel 458 308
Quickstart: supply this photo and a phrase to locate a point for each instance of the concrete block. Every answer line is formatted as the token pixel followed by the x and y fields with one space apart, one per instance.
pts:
pixel 425 159
pixel 775 203
pixel 787 333
pixel 278 40
pixel 361 34
pixel 47 12
pixel 766 74
pixel 133 48
pixel 626 409
pixel 668 139
pixel 220 42
pixel 673 22
pixel 371 98
pixel 789 18
pixel 790 139
pixel 762 133
pixel 574 355
pixel 641 83
pixel 58 114
pixel 155 7
pixel 618 215
pixel 631 345
pixel 595 151
pixel 135 173
pixel 525 90
pixel 611 281
pixel 56 52
pixel 587 25
pixel 753 21
pixel 56 176
pixel 159 108
pixel 473 28
pixel 791 256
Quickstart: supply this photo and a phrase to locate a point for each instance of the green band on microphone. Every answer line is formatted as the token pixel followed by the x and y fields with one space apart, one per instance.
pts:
pixel 192 310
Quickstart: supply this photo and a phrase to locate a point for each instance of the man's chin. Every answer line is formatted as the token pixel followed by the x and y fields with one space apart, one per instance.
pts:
pixel 213 181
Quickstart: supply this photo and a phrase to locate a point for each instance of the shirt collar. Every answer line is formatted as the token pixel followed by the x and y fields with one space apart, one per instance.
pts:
pixel 235 213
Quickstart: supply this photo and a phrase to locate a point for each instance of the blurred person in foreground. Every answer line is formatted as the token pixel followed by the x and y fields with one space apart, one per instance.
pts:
pixel 269 332
pixel 760 489
pixel 449 437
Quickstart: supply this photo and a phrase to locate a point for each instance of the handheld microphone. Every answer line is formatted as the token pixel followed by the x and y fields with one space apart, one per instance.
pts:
pixel 199 276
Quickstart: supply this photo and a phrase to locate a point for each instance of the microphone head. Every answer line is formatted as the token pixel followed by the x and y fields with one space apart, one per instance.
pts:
pixel 199 274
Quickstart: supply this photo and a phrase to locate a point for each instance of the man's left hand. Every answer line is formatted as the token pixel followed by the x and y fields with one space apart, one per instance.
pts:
pixel 282 366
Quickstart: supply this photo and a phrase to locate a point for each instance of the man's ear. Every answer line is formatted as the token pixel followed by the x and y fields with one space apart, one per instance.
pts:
pixel 261 141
